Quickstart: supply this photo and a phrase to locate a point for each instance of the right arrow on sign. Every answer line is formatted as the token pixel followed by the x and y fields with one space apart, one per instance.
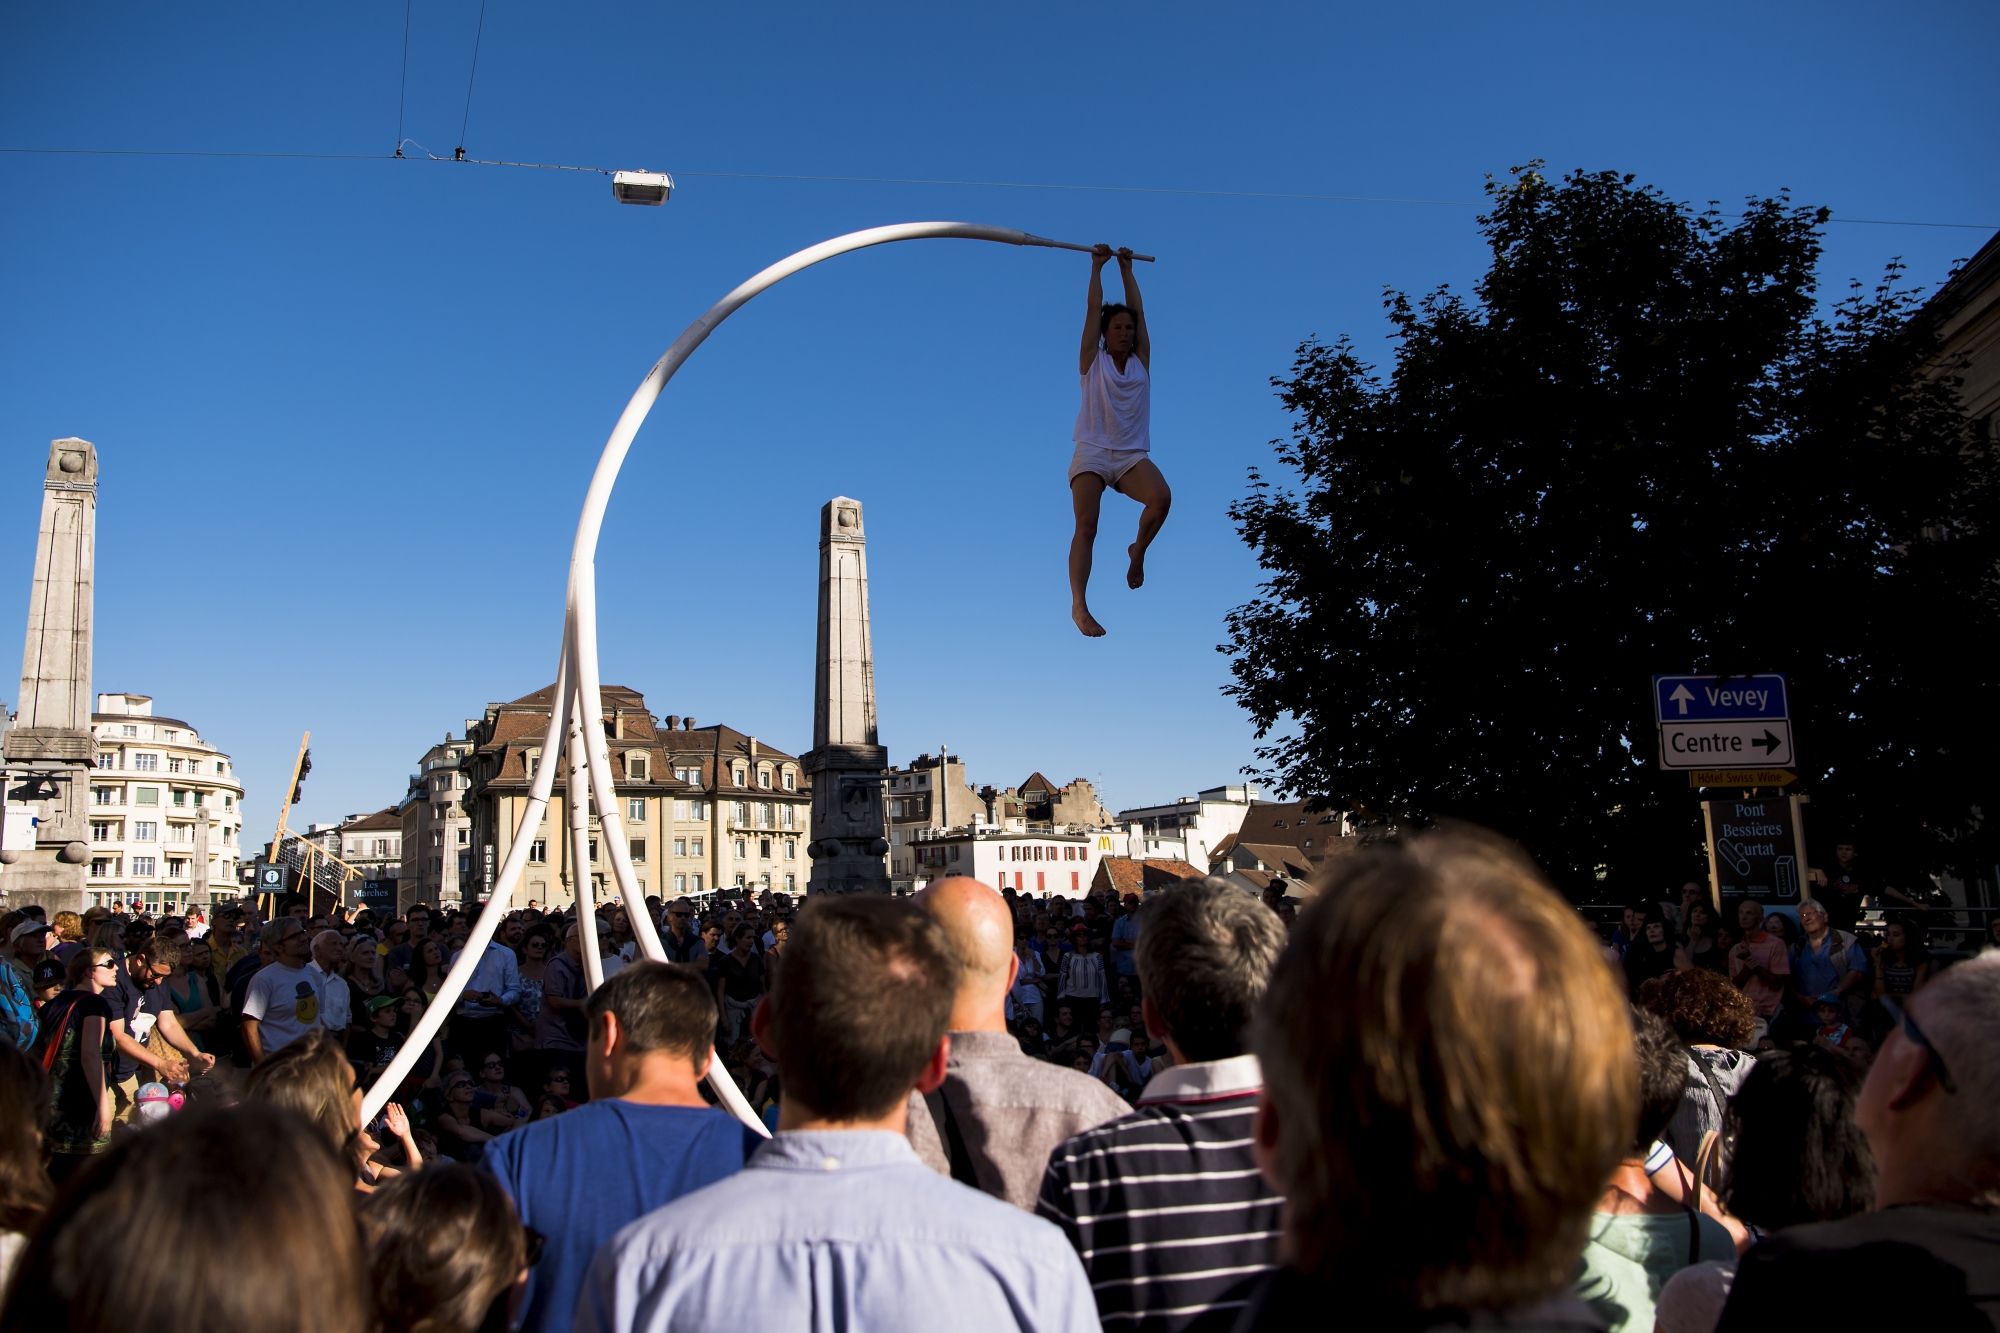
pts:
pixel 1768 742
pixel 1681 697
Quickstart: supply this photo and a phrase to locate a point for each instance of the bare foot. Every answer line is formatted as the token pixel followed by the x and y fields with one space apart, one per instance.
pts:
pixel 1136 575
pixel 1086 622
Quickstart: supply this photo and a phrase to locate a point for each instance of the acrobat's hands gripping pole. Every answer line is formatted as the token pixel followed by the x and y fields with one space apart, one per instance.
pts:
pixel 578 700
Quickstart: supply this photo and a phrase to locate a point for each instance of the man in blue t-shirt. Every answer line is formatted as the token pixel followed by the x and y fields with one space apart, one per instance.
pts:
pixel 646 1138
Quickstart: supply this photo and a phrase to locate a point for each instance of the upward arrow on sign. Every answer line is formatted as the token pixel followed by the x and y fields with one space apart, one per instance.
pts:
pixel 1682 697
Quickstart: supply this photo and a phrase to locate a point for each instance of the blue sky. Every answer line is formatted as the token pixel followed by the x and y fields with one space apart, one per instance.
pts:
pixel 346 410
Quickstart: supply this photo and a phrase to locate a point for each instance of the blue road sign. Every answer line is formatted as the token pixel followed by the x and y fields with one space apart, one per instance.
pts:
pixel 1757 698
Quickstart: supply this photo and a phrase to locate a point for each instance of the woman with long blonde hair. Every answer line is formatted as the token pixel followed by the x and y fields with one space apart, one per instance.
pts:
pixel 313 1077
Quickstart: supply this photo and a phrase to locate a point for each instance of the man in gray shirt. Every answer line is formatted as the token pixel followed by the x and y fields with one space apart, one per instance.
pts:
pixel 1000 1112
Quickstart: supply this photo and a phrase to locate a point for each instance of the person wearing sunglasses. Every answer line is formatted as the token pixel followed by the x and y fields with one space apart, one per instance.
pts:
pixel 682 943
pixel 1928 1256
pixel 74 1043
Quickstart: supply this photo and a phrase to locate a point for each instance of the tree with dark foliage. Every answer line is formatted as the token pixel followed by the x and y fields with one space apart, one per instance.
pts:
pixel 1639 449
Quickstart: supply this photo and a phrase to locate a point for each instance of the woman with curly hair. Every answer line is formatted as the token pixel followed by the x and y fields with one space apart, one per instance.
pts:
pixel 1716 1021
pixel 1799 1157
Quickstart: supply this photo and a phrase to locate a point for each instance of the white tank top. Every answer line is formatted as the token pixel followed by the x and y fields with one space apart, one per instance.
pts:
pixel 1117 409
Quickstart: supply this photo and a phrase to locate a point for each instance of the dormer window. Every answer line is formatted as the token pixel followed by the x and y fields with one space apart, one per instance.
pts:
pixel 635 765
pixel 532 760
pixel 738 774
pixel 791 780
pixel 764 778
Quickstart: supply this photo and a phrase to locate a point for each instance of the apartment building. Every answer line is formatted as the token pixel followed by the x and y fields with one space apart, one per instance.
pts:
pixel 1040 864
pixel 703 807
pixel 166 811
pixel 436 854
pixel 1189 827
pixel 930 792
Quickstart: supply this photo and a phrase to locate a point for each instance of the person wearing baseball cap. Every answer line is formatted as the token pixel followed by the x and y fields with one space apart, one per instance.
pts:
pixel 26 943
pixel 371 1046
pixel 1830 1010
pixel 49 981
pixel 17 1011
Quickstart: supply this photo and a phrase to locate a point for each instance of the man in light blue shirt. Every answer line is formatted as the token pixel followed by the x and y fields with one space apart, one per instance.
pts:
pixel 479 1024
pixel 836 1224
pixel 646 1138
pixel 1829 960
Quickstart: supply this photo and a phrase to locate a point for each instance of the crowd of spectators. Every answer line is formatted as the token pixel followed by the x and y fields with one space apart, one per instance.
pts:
pixel 1806 977
pixel 1428 1095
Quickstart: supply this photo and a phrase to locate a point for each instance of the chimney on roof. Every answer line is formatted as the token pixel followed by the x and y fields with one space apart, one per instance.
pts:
pixel 672 721
pixel 687 724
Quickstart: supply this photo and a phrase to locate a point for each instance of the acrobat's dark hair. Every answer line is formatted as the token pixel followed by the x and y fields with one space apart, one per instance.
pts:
pixel 1106 311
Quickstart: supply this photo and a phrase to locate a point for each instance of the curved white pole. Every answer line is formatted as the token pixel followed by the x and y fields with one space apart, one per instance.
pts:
pixel 583 883
pixel 578 691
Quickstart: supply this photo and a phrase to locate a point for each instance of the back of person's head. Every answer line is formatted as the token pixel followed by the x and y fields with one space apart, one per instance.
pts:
pixel 278 1245
pixel 1798 1156
pixel 1663 1076
pixel 976 921
pixel 108 935
pixel 310 1075
pixel 1960 1013
pixel 659 1007
pixel 159 950
pixel 24 1113
pixel 860 1005
pixel 1703 1007
pixel 1205 953
pixel 444 1247
pixel 1449 1077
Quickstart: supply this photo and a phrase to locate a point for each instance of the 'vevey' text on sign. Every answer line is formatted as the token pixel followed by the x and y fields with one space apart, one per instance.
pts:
pixel 1761 697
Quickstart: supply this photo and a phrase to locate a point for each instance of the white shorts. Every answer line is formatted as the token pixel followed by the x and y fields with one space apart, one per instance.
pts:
pixel 1110 464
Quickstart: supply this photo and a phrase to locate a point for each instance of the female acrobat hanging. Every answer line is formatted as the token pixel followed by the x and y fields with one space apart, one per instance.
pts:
pixel 1112 437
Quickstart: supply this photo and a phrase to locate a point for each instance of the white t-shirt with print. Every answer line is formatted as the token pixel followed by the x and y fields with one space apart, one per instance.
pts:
pixel 286 1002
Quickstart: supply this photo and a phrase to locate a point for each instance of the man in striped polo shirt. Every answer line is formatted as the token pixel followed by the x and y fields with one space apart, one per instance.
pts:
pixel 1165 1205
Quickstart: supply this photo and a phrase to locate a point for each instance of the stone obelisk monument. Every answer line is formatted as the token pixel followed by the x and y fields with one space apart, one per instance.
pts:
pixel 49 750
pixel 845 765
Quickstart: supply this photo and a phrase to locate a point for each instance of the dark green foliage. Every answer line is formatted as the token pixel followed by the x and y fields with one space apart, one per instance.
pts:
pixel 1637 450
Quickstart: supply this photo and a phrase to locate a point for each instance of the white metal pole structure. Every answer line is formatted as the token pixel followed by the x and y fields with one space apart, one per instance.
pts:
pixel 576 709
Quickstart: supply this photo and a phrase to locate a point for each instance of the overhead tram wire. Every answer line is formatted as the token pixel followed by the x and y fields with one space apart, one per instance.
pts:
pixel 403 93
pixel 477 34
pixel 897 180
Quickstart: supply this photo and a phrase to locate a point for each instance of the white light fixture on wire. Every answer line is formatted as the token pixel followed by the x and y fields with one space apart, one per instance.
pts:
pixel 642 187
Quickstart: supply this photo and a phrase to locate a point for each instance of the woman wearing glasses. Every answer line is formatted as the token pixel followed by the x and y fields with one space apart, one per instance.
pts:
pixel 456 1127
pixel 73 1041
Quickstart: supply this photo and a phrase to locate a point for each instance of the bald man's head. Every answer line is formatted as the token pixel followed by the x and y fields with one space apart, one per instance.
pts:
pixel 981 929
